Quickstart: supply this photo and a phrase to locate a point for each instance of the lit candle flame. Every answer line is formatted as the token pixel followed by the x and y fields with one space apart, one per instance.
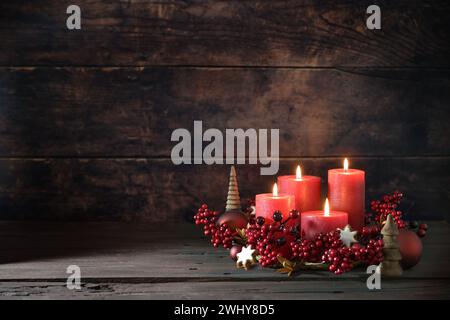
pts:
pixel 275 190
pixel 326 209
pixel 298 173
pixel 346 164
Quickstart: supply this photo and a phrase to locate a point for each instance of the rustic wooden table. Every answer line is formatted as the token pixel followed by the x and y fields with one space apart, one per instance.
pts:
pixel 120 260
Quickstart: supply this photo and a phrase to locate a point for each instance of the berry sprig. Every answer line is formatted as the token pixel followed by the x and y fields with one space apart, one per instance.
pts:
pixel 220 235
pixel 312 250
pixel 368 233
pixel 389 204
pixel 421 228
pixel 329 249
pixel 339 260
pixel 343 259
pixel 270 240
pixel 372 253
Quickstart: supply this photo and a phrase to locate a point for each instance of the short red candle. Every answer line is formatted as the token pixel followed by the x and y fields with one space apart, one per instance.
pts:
pixel 267 203
pixel 346 191
pixel 306 190
pixel 314 222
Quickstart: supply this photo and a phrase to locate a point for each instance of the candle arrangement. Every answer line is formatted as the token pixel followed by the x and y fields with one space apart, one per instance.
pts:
pixel 288 230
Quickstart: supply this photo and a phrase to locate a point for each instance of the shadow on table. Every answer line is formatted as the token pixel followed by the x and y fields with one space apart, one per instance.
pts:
pixel 21 242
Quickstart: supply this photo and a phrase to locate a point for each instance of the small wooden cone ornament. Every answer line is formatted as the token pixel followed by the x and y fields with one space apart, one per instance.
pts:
pixel 390 266
pixel 233 215
pixel 233 199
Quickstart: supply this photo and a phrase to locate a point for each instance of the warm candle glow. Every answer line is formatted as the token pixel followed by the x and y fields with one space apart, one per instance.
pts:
pixel 326 209
pixel 298 173
pixel 345 164
pixel 275 190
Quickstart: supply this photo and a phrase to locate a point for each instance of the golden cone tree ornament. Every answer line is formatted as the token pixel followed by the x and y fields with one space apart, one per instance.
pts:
pixel 233 216
pixel 390 266
pixel 233 199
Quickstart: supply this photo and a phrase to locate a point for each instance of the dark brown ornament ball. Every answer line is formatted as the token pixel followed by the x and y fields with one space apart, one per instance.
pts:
pixel 233 219
pixel 410 248
pixel 234 251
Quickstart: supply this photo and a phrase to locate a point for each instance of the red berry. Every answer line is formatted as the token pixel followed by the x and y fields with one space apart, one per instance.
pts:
pixel 277 216
pixel 421 233
pixel 260 220
pixel 294 214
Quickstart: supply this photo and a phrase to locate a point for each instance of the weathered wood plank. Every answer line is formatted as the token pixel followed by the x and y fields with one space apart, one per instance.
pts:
pixel 325 289
pixel 141 253
pixel 131 112
pixel 281 33
pixel 157 190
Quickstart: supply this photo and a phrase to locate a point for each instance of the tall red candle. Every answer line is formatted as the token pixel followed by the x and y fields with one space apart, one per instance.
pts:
pixel 267 203
pixel 306 190
pixel 314 222
pixel 346 191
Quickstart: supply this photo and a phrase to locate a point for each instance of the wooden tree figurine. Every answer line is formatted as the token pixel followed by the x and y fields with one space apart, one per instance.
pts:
pixel 233 215
pixel 233 198
pixel 391 254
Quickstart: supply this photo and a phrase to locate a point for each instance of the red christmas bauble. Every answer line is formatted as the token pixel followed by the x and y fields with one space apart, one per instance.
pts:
pixel 410 248
pixel 234 251
pixel 233 219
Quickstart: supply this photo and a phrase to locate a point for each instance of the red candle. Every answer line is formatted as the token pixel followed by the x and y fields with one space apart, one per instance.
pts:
pixel 314 222
pixel 306 190
pixel 268 203
pixel 346 191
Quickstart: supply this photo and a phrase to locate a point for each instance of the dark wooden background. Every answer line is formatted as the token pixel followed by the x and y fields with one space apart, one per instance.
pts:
pixel 86 116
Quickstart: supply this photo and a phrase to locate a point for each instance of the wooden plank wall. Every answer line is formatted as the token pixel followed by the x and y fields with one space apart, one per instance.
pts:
pixel 86 116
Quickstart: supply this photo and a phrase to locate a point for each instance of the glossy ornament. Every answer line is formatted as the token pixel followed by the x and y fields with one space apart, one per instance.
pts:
pixel 233 219
pixel 234 251
pixel 410 248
